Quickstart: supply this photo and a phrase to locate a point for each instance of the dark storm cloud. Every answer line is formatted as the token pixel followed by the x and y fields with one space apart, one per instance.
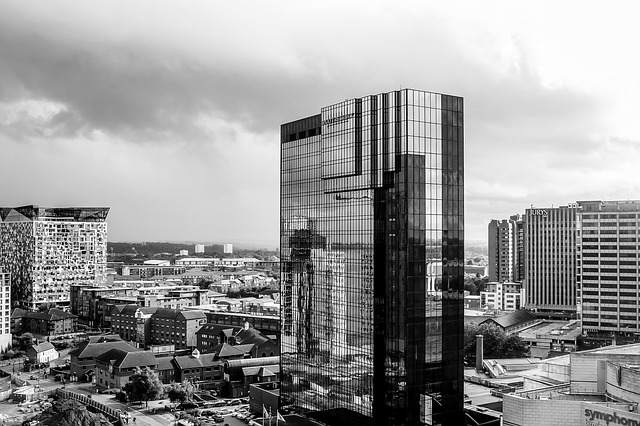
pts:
pixel 201 75
pixel 143 89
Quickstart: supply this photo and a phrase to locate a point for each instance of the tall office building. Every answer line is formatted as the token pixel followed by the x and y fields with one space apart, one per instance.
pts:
pixel 608 283
pixel 506 250
pixel 372 260
pixel 47 249
pixel 550 259
pixel 5 310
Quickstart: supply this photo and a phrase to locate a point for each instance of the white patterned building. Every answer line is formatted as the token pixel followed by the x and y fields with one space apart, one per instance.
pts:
pixel 47 249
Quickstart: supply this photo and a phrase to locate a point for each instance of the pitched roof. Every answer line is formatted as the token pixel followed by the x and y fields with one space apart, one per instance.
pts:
pixel 212 328
pixel 166 313
pixel 204 360
pixel 513 318
pixel 18 313
pixel 42 347
pixel 127 359
pixel 131 309
pixel 188 315
pixel 51 315
pixel 104 338
pixel 165 363
pixel 225 350
pixel 250 335
pixel 117 309
pixel 93 349
pixel 266 371
pixel 245 348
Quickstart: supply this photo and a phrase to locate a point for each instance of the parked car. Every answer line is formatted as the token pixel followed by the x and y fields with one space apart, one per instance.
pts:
pixel 187 405
pixel 234 402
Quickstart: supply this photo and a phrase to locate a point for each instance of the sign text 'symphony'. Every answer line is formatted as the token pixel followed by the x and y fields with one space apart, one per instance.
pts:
pixel 592 417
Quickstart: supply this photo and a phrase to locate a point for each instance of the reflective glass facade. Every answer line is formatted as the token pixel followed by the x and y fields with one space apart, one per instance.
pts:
pixel 372 218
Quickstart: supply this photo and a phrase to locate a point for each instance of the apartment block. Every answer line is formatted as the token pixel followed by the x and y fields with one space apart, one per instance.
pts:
pixel 502 296
pixel 506 250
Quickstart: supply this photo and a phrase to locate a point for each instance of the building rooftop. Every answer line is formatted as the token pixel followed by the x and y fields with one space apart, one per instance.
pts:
pixel 251 362
pixel 33 212
pixel 52 314
pixel 225 350
pixel 250 336
pixel 555 329
pixel 93 349
pixel 216 329
pixel 132 309
pixel 18 313
pixel 175 313
pixel 165 363
pixel 127 358
pixel 262 371
pixel 43 347
pixel 105 338
pixel 200 361
pixel 512 319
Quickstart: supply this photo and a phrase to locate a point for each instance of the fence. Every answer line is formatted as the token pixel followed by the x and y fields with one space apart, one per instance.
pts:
pixel 111 413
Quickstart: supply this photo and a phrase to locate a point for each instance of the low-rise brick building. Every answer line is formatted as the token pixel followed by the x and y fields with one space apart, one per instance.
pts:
pixel 171 326
pixel 115 367
pixel 83 362
pixel 198 367
pixel 241 373
pixel 50 323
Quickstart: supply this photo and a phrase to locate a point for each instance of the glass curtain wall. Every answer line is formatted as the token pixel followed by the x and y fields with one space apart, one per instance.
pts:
pixel 372 258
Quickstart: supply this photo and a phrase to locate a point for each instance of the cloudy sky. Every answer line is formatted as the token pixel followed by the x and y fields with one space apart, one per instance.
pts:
pixel 168 112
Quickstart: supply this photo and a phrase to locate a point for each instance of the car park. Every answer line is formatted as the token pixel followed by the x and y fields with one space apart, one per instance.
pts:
pixel 187 406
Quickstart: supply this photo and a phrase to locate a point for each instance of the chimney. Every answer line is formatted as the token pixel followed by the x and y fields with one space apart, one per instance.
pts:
pixel 479 352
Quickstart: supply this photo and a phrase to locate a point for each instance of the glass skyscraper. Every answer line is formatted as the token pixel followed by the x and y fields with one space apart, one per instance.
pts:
pixel 372 254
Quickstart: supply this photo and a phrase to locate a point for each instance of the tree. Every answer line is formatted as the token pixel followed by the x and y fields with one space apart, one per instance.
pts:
pixel 181 392
pixel 471 288
pixel 496 343
pixel 68 412
pixel 144 385
pixel 191 418
pixel 204 284
pixel 46 306
pixel 25 340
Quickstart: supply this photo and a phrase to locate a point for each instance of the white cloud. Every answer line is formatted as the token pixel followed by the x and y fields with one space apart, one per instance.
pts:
pixel 170 111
